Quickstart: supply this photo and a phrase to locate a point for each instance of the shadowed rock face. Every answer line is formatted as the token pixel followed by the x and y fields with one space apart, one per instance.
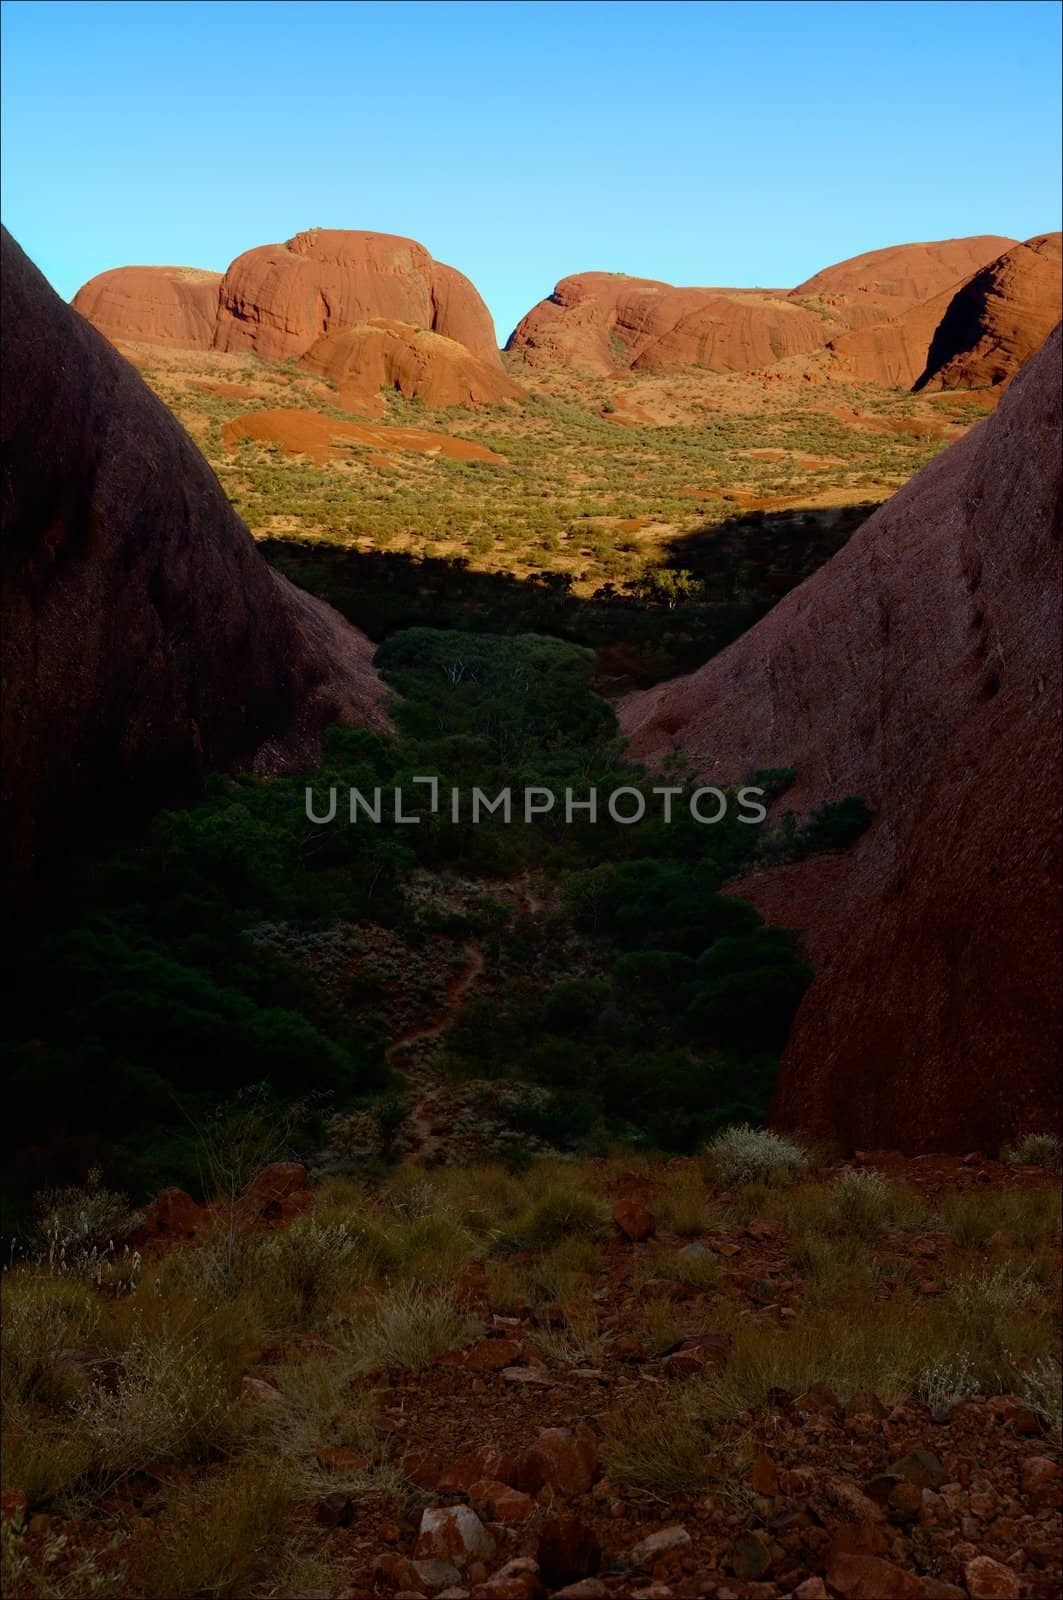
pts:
pixel 995 321
pixel 279 298
pixel 145 640
pixel 920 669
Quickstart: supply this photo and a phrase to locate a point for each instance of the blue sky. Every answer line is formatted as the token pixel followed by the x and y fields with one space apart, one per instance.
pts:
pixel 745 143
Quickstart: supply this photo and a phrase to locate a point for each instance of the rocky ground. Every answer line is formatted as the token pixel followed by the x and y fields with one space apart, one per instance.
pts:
pixel 590 1431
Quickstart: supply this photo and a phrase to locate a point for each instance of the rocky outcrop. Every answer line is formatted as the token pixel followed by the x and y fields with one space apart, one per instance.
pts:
pixel 919 669
pixel 894 352
pixel 279 299
pixel 885 279
pixel 145 640
pixel 995 321
pixel 173 306
pixel 604 322
pixel 370 356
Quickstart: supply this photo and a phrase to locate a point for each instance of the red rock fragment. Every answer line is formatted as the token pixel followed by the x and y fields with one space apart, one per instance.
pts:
pixel 634 1221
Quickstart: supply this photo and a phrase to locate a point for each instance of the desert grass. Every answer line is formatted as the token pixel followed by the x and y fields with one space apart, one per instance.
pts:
pixel 214 1536
pixel 1035 1150
pixel 408 1326
pixel 658 1444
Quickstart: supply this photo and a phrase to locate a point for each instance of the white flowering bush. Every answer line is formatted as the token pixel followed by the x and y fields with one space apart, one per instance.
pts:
pixel 744 1154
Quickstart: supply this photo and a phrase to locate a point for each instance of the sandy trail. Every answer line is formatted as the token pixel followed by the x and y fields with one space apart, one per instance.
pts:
pixel 425 1142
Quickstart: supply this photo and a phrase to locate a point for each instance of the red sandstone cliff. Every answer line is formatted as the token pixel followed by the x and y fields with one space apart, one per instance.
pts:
pixel 920 669
pixel 145 640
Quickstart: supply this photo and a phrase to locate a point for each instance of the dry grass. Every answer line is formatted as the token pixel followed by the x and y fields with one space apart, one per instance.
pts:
pixel 657 1444
pixel 408 1326
pixel 1024 1218
pixel 686 1206
pixel 214 1536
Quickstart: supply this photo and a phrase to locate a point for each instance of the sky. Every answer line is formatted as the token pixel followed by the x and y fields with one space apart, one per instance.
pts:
pixel 701 143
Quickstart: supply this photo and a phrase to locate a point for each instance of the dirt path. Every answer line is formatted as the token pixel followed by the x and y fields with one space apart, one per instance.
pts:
pixel 425 1143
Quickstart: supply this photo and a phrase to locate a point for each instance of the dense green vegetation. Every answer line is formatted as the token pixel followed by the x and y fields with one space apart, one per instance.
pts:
pixel 216 954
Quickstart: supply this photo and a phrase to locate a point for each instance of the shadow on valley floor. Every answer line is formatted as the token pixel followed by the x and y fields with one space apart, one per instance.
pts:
pixel 711 587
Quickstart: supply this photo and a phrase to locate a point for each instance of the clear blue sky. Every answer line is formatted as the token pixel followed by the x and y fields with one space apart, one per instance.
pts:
pixel 700 143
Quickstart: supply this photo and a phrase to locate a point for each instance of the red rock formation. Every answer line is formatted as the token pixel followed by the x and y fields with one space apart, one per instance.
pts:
pixel 604 322
pixel 174 306
pixel 145 639
pixel 279 298
pixel 996 320
pixel 894 352
pixel 370 356
pixel 920 669
pixel 903 272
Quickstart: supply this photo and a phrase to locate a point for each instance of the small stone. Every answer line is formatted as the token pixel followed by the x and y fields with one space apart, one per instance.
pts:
pixel 921 1467
pixel 905 1501
pixel 819 1400
pixel 987 1579
pixel 454 1534
pixel 866 1577
pixel 585 1589
pixel 435 1575
pixel 559 1460
pixel 527 1375
pixel 491 1355
pixel 752 1556
pixel 335 1511
pixel 865 1404
pixel 651 1549
pixel 256 1391
pixel 634 1221
pixel 764 1477
pixel 502 1503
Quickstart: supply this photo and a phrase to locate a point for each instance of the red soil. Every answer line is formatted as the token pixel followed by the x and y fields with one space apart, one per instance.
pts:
pixel 314 434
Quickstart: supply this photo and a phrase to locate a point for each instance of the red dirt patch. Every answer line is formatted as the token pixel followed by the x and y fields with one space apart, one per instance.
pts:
pixel 319 436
